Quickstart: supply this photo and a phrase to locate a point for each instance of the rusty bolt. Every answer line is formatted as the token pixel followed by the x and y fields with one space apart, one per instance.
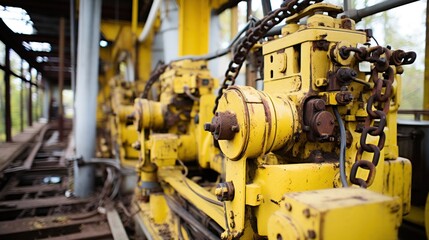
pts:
pixel 224 126
pixel 288 206
pixel 306 212
pixel 311 234
pixel 344 97
pixel 345 75
pixel 209 127
pixel 319 104
pixel 225 191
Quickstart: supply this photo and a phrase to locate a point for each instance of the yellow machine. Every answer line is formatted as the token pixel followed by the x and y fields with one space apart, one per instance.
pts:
pixel 311 156
pixel 122 131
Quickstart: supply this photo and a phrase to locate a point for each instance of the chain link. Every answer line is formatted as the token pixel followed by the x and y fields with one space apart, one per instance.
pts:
pixel 253 35
pixel 380 101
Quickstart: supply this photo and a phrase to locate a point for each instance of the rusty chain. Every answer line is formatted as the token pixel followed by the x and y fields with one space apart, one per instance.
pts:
pixel 382 58
pixel 154 76
pixel 253 35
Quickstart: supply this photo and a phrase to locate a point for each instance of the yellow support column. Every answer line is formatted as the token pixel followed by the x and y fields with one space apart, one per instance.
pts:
pixel 194 26
pixel 134 18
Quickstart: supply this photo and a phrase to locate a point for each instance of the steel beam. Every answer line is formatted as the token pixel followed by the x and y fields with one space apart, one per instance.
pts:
pixel 86 94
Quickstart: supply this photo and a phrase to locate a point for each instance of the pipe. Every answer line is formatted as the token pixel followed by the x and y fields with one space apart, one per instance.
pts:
pixel 347 5
pixel 343 142
pixel 86 94
pixel 357 15
pixel 150 19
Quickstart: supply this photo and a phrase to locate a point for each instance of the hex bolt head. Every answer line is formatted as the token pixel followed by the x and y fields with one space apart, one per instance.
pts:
pixel 319 105
pixel 208 127
pixel 224 126
pixel 225 191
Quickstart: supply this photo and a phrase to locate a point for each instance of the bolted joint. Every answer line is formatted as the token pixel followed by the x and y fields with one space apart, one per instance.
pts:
pixel 224 126
pixel 345 75
pixel 344 97
pixel 225 191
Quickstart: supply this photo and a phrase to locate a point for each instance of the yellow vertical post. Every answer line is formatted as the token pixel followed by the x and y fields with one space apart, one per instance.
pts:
pixel 134 18
pixel 194 17
pixel 234 21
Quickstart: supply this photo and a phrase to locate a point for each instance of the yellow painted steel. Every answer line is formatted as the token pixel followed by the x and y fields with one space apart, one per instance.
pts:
pixel 267 176
pixel 194 27
pixel 296 70
pixel 116 97
pixel 134 16
pixel 328 214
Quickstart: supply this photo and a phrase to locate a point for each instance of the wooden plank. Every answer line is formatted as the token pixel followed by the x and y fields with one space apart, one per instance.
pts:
pixel 9 151
pixel 35 224
pixel 116 227
pixel 12 182
pixel 101 231
pixel 35 188
pixel 6 206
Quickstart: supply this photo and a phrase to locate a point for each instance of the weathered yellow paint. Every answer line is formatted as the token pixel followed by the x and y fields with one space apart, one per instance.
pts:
pixel 158 208
pixel 343 213
pixel 272 154
pixel 296 67
pixel 172 138
pixel 254 196
pixel 280 179
pixel 397 181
